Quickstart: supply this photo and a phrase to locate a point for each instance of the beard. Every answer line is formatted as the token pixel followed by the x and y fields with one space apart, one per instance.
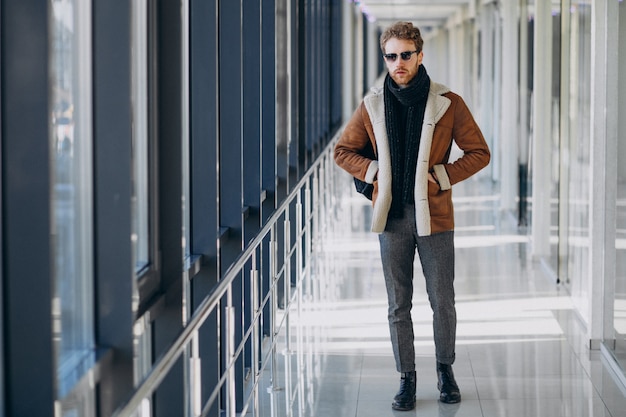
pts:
pixel 404 73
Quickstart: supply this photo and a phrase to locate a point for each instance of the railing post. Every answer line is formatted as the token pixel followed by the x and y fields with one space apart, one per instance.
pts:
pixel 273 308
pixel 256 345
pixel 287 280
pixel 195 377
pixel 316 203
pixel 299 236
pixel 287 305
pixel 307 231
pixel 231 396
pixel 316 222
pixel 322 197
pixel 299 277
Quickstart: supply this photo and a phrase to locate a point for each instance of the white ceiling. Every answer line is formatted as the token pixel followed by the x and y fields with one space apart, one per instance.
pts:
pixel 426 14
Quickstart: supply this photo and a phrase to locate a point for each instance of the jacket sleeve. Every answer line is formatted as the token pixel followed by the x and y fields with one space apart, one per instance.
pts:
pixel 471 141
pixel 350 149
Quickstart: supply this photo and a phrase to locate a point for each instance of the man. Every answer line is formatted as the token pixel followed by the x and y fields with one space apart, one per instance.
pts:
pixel 411 123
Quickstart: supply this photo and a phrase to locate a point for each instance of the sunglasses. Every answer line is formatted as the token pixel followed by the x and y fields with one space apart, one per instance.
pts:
pixel 404 55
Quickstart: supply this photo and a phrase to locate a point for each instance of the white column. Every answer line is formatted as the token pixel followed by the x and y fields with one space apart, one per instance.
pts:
pixel 523 84
pixel 486 71
pixel 564 142
pixel 496 92
pixel 436 55
pixel 542 129
pixel 373 53
pixel 470 42
pixel 621 169
pixel 472 35
pixel 457 54
pixel 358 56
pixel 444 61
pixel 510 106
pixel 462 61
pixel 603 195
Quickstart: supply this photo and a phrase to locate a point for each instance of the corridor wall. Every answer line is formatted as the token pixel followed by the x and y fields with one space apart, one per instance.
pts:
pixel 144 144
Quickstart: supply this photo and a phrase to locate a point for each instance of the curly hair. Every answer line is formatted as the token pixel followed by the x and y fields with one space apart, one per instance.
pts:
pixel 405 31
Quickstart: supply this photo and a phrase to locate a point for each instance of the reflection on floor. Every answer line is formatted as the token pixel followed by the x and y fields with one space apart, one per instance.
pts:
pixel 521 350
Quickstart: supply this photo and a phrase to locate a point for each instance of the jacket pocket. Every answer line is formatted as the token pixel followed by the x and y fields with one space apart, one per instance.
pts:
pixel 439 202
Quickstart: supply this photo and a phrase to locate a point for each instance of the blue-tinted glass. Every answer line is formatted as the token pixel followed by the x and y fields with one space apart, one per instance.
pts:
pixel 72 234
pixel 140 157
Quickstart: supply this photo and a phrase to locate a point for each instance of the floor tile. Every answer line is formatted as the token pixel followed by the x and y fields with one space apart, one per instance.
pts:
pixel 539 357
pixel 423 408
pixel 515 387
pixel 521 348
pixel 546 407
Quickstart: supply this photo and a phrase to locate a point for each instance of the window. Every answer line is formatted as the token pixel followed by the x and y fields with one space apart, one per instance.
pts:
pixel 578 155
pixel 620 209
pixel 140 156
pixel 72 205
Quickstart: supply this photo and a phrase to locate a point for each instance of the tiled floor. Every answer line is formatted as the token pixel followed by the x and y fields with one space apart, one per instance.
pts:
pixel 521 350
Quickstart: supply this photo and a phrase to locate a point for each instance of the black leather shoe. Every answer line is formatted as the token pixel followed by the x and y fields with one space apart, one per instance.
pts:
pixel 448 389
pixel 405 398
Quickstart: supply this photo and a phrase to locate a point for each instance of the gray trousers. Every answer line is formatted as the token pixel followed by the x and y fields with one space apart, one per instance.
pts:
pixel 436 253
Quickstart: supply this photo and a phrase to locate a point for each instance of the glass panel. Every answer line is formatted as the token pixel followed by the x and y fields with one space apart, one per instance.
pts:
pixel 527 22
pixel 620 243
pixel 71 153
pixel 526 174
pixel 556 137
pixel 142 348
pixel 578 155
pixel 140 158
pixel 142 331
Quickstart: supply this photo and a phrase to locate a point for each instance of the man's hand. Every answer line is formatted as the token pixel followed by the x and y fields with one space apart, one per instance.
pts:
pixel 432 177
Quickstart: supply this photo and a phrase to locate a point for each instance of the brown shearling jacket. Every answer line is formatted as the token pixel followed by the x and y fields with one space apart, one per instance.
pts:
pixel 446 119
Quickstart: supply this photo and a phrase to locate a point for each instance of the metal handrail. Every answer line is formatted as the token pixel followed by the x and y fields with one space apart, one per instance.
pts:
pixel 166 361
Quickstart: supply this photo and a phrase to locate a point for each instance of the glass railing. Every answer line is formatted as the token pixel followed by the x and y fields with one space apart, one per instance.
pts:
pixel 278 271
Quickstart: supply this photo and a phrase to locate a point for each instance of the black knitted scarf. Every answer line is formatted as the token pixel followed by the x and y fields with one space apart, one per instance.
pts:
pixel 404 115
